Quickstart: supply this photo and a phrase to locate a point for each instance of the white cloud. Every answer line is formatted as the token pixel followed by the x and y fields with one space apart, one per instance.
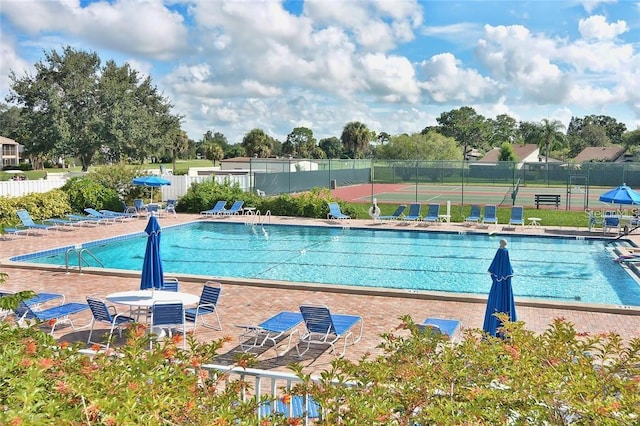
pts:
pixel 446 81
pixel 10 61
pixel 591 5
pixel 596 28
pixel 391 77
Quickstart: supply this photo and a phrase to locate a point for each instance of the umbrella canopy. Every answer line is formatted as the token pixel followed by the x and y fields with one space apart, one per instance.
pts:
pixel 621 195
pixel 501 293
pixel 151 181
pixel 152 274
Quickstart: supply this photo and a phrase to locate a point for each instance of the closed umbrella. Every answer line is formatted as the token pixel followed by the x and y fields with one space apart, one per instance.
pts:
pixel 621 195
pixel 501 293
pixel 152 274
pixel 151 181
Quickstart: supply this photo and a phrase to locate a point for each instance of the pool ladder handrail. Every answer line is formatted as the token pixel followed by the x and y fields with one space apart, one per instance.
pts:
pixel 261 219
pixel 79 252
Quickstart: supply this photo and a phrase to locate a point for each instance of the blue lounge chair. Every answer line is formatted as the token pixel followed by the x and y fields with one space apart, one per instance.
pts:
pixel 36 301
pixel 61 222
pixel 87 220
pixel 139 205
pixel 414 212
pixel 432 214
pixel 119 215
pixel 15 231
pixel 28 222
pixel 106 315
pixel 395 215
pixel 270 331
pixel 474 215
pixel 236 208
pixel 95 213
pixel 516 216
pixel 60 314
pixel 219 207
pixel 335 213
pixel 206 306
pixel 170 207
pixel 325 328
pixel 490 214
pixel 440 326
pixel 129 209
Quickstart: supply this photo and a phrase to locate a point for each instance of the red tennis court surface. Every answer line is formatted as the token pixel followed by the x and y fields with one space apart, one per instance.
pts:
pixel 579 198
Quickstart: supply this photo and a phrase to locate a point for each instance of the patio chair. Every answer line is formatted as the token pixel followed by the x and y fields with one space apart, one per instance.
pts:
pixel 122 216
pixel 106 216
pixel 611 222
pixel 89 219
pixel 15 231
pixel 335 213
pixel 106 315
pixel 58 222
pixel 323 327
pixel 280 326
pixel 432 213
pixel 139 205
pixel 215 210
pixel 167 317
pixel 236 208
pixel 395 215
pixel 516 216
pixel 414 213
pixel 300 406
pixel 170 207
pixel 206 306
pixel 170 284
pixel 129 209
pixel 59 313
pixel 474 215
pixel 490 214
pixel 27 221
pixel 38 300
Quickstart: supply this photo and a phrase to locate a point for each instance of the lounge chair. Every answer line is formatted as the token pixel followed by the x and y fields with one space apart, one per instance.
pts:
pixel 119 215
pixel 88 220
pixel 219 207
pixel 516 216
pixel 281 325
pixel 335 213
pixel 99 215
pixel 414 213
pixel 433 214
pixel 106 315
pixel 440 326
pixel 170 207
pixel 490 214
pixel 60 313
pixel 139 205
pixel 474 215
pixel 36 301
pixel 395 215
pixel 236 208
pixel 57 222
pixel 129 209
pixel 323 327
pixel 28 222
pixel 15 231
pixel 206 306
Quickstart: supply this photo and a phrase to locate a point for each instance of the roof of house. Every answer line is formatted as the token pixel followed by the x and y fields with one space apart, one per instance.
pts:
pixel 600 153
pixel 521 151
pixel 7 141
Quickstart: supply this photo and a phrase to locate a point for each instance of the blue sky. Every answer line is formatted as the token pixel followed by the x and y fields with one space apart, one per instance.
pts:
pixel 395 65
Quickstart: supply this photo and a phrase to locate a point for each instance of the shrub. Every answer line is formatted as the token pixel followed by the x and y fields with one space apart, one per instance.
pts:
pixel 204 195
pixel 85 192
pixel 557 377
pixel 41 206
pixel 120 178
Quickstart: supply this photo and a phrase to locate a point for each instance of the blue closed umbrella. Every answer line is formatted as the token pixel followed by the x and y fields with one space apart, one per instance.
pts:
pixel 151 181
pixel 501 293
pixel 152 274
pixel 621 195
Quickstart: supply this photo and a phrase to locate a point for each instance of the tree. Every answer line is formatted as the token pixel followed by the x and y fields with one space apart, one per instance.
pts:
pixel 466 126
pixel 302 141
pixel 552 136
pixel 432 146
pixel 355 139
pixel 213 152
pixel 610 125
pixel 332 147
pixel 257 143
pixel 503 129
pixel 74 107
pixel 507 153
pixel 180 144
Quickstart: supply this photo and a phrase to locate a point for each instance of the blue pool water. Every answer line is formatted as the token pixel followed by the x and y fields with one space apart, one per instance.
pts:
pixel 552 268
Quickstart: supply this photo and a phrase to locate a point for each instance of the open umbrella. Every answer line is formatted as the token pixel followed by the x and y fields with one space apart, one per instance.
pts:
pixel 501 293
pixel 152 274
pixel 151 181
pixel 621 195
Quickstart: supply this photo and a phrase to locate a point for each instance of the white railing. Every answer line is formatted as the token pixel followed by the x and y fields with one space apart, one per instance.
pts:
pixel 18 188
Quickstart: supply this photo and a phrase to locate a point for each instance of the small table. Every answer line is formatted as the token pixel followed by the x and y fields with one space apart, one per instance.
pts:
pixel 249 210
pixel 534 221
pixel 444 218
pixel 146 298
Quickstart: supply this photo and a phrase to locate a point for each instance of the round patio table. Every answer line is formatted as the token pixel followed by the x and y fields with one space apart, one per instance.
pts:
pixel 146 298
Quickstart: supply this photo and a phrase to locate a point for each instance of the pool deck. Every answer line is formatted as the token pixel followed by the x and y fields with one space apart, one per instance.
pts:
pixel 242 303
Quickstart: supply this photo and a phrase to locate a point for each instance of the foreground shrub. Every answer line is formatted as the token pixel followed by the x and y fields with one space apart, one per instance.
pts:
pixel 558 377
pixel 54 203
pixel 85 192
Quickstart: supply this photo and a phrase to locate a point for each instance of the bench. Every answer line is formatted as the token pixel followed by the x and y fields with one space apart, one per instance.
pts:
pixel 548 199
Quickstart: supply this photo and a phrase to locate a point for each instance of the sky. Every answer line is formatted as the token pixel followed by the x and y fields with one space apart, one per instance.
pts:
pixel 394 65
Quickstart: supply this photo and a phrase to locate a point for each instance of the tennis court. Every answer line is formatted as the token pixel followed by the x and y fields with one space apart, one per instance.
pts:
pixel 573 198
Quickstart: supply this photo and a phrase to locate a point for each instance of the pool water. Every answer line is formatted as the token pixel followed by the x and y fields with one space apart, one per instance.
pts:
pixel 551 268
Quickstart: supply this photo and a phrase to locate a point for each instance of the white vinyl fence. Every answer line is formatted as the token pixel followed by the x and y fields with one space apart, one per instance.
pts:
pixel 179 185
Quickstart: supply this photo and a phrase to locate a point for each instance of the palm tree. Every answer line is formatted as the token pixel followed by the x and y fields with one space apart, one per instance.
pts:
pixel 551 135
pixel 355 138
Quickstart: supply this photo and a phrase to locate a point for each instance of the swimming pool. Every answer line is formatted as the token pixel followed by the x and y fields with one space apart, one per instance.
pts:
pixel 550 268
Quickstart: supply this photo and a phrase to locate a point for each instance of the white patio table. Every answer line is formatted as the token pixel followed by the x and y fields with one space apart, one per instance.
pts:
pixel 146 298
